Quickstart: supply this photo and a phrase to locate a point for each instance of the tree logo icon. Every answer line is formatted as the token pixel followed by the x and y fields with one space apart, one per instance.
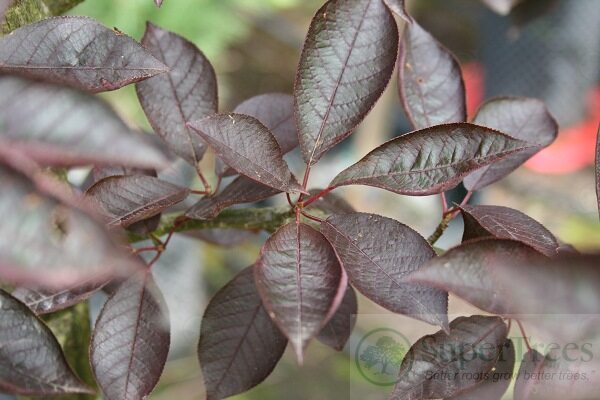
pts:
pixel 379 355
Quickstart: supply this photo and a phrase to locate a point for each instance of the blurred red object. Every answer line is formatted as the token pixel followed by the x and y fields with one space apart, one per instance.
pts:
pixel 575 146
pixel 473 76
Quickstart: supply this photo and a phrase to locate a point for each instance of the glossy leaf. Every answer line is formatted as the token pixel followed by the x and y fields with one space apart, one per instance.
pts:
pixel 522 118
pixel 239 344
pixel 126 200
pixel 300 282
pixel 508 223
pixel 64 127
pixel 496 381
pixel 241 190
pixel 398 7
pixel 339 328
pixel 471 348
pixel 45 243
pixel 131 340
pixel 186 93
pixel 276 112
pixel 77 51
pixel 430 80
pixel 44 301
pixel 249 147
pixel 31 360
pixel 346 63
pixel 469 270
pixel 430 160
pixel 377 253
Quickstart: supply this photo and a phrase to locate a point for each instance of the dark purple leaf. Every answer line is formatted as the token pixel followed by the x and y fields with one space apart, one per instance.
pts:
pixel 239 344
pixel 186 93
pixel 241 190
pixel 568 372
pixel 330 203
pixel 430 160
pixel 99 173
pixel 429 80
pixel 131 340
pixel 531 366
pixel 44 301
pixel 398 7
pixel 347 61
pixel 598 168
pixel 126 200
pixel 522 118
pixel 339 328
pixel 249 147
pixel 64 127
pixel 469 269
pixel 508 223
pixel 45 243
pixel 496 381
pixel 471 348
pixel 31 360
pixel 226 237
pixel 377 253
pixel 509 278
pixel 502 7
pixel 300 282
pixel 77 51
pixel 276 112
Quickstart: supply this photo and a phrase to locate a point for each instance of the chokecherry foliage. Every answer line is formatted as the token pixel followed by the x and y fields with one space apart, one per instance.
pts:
pixel 59 244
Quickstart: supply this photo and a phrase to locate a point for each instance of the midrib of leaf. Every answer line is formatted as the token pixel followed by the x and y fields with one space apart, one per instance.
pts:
pixel 416 300
pixel 299 286
pixel 136 333
pixel 177 101
pixel 238 346
pixel 337 85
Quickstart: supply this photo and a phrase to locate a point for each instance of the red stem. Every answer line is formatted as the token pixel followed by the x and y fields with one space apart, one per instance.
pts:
pixel 307 215
pixel 318 196
pixel 524 335
pixel 444 203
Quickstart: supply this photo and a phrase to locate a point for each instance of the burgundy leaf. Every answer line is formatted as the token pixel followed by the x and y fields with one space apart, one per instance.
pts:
pixel 564 373
pixel 131 340
pixel 31 360
pixel 99 173
pixel 471 349
pixel 300 282
pixel 226 237
pixel 126 200
pixel 186 93
pixel 330 203
pixel 377 253
pixel 45 243
pixel 347 61
pixel 496 382
pixel 276 112
pixel 64 127
pixel 469 270
pixel 508 223
pixel 249 147
pixel 241 190
pixel 531 365
pixel 522 118
pixel 598 168
pixel 430 160
pixel 429 80
pixel 48 300
pixel 502 7
pixel 398 7
pixel 77 51
pixel 339 328
pixel 239 344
